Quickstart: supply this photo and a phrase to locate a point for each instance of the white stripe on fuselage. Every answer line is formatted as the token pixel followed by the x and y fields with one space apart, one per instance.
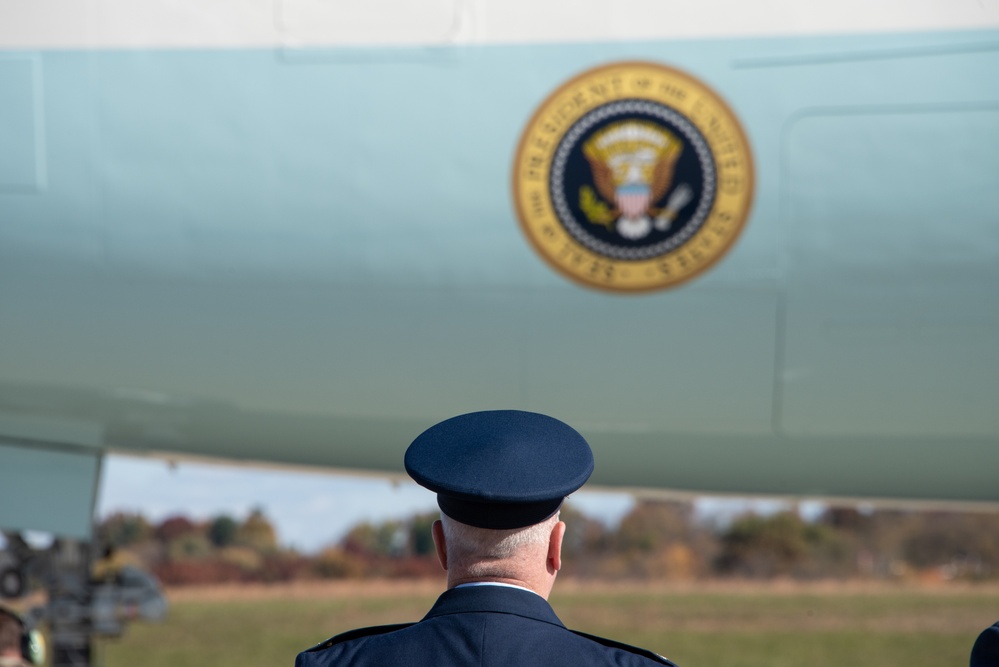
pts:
pixel 101 24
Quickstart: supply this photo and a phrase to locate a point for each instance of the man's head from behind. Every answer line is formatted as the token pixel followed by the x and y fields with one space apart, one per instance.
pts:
pixel 529 556
pixel 500 478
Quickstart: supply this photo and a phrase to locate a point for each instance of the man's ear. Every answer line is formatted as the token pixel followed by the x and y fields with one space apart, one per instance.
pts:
pixel 555 547
pixel 437 530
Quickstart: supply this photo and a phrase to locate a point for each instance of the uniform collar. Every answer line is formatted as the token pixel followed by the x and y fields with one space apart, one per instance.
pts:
pixel 494 599
pixel 494 583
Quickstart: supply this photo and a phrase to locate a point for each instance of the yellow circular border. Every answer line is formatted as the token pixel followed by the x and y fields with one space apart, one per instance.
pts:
pixel 596 87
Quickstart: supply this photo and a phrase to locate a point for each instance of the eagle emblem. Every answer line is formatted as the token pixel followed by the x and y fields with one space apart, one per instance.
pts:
pixel 633 164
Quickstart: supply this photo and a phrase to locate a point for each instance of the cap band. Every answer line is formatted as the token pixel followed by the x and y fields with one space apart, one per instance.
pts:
pixel 497 516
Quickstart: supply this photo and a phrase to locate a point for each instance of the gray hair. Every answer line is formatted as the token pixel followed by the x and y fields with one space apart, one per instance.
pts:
pixel 479 548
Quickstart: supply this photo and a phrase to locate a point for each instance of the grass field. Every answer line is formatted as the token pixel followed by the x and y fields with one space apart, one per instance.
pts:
pixel 734 625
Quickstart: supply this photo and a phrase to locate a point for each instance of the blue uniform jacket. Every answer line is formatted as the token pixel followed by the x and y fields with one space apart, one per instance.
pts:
pixel 985 652
pixel 484 626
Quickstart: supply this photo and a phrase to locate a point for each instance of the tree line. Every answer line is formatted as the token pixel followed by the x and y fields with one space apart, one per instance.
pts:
pixel 656 540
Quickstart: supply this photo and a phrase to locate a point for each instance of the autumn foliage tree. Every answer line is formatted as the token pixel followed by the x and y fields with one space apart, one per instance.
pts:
pixel 123 529
pixel 257 532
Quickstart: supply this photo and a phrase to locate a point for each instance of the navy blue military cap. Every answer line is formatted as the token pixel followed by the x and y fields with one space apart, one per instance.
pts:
pixel 500 469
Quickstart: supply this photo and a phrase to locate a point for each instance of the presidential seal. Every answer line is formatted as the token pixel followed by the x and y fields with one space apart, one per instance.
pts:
pixel 633 177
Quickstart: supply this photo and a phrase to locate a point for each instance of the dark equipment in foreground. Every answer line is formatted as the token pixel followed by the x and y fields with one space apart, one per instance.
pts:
pixel 79 608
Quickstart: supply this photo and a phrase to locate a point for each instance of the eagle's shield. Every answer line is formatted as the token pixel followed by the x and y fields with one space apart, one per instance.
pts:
pixel 633 199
